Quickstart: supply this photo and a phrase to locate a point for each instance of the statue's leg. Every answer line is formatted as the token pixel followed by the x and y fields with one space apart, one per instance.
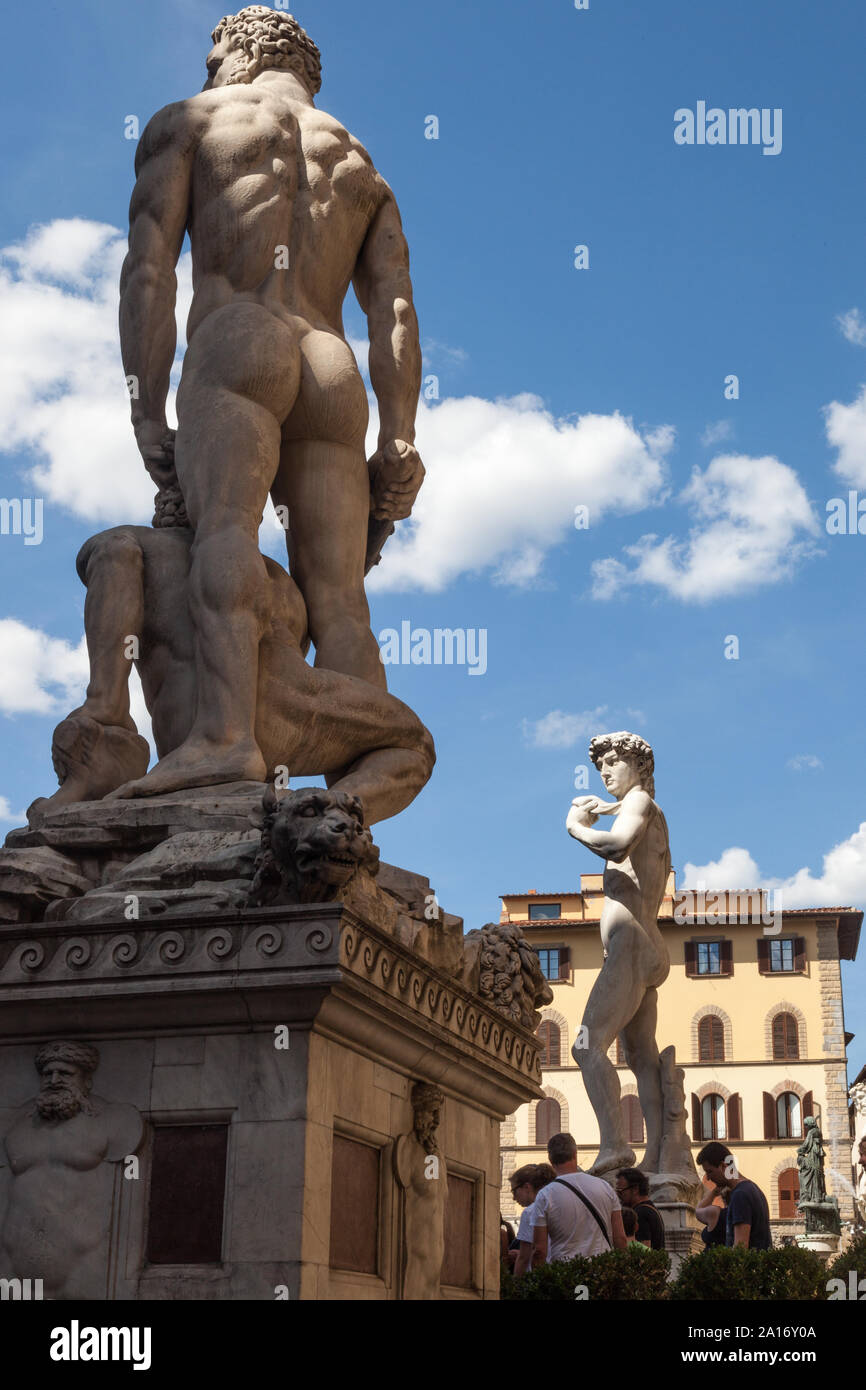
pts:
pixel 240 379
pixel 314 721
pixel 642 1055
pixel 111 565
pixel 97 748
pixel 612 1002
pixel 324 482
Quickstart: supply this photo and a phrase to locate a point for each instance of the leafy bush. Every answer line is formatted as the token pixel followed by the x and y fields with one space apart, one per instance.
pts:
pixel 635 1272
pixel 853 1258
pixel 777 1275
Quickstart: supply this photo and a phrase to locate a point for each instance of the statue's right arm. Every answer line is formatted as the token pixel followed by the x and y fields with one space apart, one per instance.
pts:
pixel 158 216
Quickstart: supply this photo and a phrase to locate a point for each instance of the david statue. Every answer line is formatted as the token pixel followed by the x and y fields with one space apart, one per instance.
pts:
pixel 623 1002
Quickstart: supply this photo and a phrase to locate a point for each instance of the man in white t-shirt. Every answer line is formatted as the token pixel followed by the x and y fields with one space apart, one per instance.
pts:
pixel 565 1224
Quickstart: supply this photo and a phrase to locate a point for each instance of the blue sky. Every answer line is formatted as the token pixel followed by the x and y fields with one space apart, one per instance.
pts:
pixel 558 387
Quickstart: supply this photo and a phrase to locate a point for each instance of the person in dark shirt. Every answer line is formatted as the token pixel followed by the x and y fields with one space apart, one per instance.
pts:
pixel 632 1189
pixel 748 1216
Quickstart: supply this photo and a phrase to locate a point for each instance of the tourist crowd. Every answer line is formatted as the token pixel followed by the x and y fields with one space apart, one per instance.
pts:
pixel 567 1212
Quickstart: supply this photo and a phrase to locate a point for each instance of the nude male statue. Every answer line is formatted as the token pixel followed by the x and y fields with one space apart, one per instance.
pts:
pixel 623 1000
pixel 284 211
pixel 419 1167
pixel 310 719
pixel 59 1149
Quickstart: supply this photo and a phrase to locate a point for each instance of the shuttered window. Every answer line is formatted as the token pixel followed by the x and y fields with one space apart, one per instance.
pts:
pixel 549 1036
pixel 711 1039
pixel 786 1037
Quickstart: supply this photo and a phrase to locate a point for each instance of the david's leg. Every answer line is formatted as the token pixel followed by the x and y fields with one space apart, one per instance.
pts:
pixel 642 1055
pixel 607 1010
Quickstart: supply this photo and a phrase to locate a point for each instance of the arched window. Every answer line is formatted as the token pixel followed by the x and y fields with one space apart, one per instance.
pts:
pixel 786 1037
pixel 548 1120
pixel 711 1039
pixel 632 1118
pixel 789 1118
pixel 549 1036
pixel 713 1124
pixel 789 1192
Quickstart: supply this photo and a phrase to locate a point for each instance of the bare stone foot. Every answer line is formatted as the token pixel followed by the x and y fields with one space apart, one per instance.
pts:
pixel 90 760
pixel 610 1159
pixel 198 764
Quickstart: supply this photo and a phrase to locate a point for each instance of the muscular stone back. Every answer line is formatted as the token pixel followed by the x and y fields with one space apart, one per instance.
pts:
pixel 271 172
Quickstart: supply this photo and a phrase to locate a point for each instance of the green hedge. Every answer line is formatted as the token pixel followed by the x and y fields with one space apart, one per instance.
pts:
pixel 779 1275
pixel 632 1273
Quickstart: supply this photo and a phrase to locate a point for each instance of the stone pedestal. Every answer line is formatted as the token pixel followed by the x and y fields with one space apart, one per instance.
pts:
pixel 824 1244
pixel 271 1055
pixel 682 1232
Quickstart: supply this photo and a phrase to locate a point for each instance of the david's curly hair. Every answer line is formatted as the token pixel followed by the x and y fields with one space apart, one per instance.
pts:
pixel 270 39
pixel 632 745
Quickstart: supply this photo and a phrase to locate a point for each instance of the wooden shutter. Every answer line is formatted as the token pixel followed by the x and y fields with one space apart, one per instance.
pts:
pixel 705 1040
pixel 763 956
pixel 786 1037
pixel 564 963
pixel 735 1117
pixel 808 1107
pixel 800 954
pixel 726 957
pixel 548 1036
pixel 620 1053
pixel 697 1132
pixel 769 1117
pixel 691 958
pixel 789 1192
pixel 548 1120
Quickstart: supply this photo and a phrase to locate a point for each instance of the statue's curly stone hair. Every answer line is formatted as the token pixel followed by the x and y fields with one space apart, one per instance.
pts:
pixel 77 1053
pixel 271 39
pixel 631 744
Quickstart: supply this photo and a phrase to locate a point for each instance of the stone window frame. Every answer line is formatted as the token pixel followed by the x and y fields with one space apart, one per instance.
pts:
pixel 551 1093
pixel 385 1144
pixel 138 1217
pixel 549 1015
pixel 703 1012
pixel 785 1007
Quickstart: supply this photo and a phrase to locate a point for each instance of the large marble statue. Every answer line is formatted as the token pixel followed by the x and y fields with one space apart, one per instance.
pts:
pixel 623 1000
pixel 284 211
pixel 61 1149
pixel 860 1187
pixel 419 1167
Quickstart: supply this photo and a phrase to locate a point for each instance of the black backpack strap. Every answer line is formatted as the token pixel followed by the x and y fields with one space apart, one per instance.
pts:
pixel 590 1208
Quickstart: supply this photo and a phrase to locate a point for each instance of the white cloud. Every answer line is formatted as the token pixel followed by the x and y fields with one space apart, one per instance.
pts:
pixel 716 432
pixel 803 760
pixel 752 522
pixel 845 426
pixel 39 674
pixel 842 882
pixel 852 326
pixel 63 397
pixel 560 730
pixel 503 480
pixel 7 814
